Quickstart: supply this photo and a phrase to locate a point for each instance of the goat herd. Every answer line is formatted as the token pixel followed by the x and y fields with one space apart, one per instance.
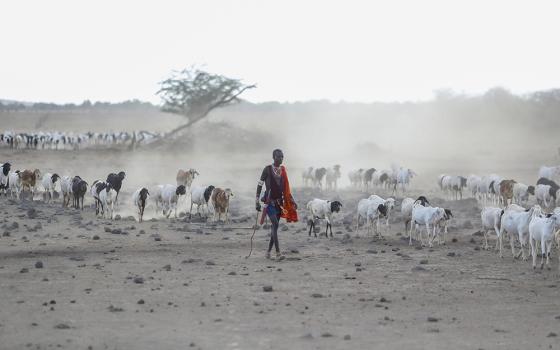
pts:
pixel 19 184
pixel 506 209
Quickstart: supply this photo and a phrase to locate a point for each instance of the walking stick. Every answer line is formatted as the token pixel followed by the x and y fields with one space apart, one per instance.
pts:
pixel 253 235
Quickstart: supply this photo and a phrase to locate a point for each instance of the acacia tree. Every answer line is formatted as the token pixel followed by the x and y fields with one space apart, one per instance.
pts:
pixel 194 93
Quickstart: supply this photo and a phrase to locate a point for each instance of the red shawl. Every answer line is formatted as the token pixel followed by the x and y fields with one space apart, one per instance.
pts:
pixel 289 213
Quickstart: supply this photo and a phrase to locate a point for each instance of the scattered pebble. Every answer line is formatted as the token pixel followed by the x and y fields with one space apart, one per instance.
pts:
pixel 347 337
pixel 267 288
pixel 39 265
pixel 432 319
pixel 138 280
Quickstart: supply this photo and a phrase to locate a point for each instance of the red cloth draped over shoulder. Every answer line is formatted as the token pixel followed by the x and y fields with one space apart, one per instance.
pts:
pixel 290 213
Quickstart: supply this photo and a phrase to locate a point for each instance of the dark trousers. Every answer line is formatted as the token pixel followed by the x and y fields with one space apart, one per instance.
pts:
pixel 274 215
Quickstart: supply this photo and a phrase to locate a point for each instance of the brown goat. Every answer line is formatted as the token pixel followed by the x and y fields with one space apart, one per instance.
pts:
pixel 186 177
pixel 220 201
pixel 29 180
pixel 506 190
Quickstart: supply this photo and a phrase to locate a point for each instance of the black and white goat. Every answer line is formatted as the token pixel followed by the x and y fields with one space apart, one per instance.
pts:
pixel 322 209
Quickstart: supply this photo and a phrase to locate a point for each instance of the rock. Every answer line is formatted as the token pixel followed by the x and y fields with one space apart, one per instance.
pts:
pixel 116 231
pixel 451 254
pixel 551 334
pixel 138 280
pixel 39 265
pixel 108 229
pixel 347 337
pixel 112 308
pixel 210 263
pixel 267 288
pixel 432 319
pixel 423 261
pixel 24 270
pixel 141 302
pixel 142 232
pixel 454 240
pixel 326 335
pixel 232 273
pixel 167 267
pixel 418 268
pixel 317 295
pixel 117 217
pixel 157 237
pixel 62 326
pixel 95 237
pixel 370 251
pixel 32 213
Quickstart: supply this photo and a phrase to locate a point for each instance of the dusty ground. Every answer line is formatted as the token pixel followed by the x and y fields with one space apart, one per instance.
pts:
pixel 172 284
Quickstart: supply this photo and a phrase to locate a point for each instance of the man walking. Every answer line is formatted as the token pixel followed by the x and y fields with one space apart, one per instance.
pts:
pixel 277 198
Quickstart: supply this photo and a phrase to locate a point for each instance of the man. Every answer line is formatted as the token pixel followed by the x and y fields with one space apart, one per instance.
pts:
pixel 278 199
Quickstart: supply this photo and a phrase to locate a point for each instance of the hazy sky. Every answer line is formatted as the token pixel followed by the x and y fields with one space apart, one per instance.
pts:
pixel 68 51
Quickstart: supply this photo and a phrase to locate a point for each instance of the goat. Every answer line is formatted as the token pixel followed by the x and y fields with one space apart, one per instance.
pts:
pixel 66 189
pixel 139 198
pixel 307 175
pixel 355 177
pixel 372 212
pixel 4 171
pixel 186 177
pixel 107 198
pixel 473 183
pixel 546 195
pixel 318 176
pixel 29 180
pixel 515 221
pixel 14 184
pixel 322 209
pixel 542 229
pixel 200 196
pixel 506 191
pixel 333 174
pixel 426 216
pixel 170 196
pixel 116 182
pixel 549 172
pixel 220 202
pixel 403 178
pixel 442 226
pixel 367 177
pixel 158 199
pixel 49 181
pixel 79 189
pixel 389 203
pixel 491 219
pixel 521 192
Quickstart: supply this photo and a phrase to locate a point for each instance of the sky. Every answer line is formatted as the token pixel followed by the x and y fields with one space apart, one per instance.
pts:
pixel 66 51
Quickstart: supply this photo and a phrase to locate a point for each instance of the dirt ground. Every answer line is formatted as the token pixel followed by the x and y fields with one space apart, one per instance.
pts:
pixel 181 284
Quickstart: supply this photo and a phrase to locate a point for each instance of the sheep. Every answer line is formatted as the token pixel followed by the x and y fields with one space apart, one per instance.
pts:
pixel 14 184
pixel 220 202
pixel 322 209
pixel 453 184
pixel 200 196
pixel 521 192
pixel 515 221
pixel 491 219
pixel 307 175
pixel 318 176
pixel 79 189
pixel 170 196
pixel 389 203
pixel 49 181
pixel 426 216
pixel 139 198
pixel 506 191
pixel 372 212
pixel 4 171
pixel 116 182
pixel 545 195
pixel 107 198
pixel 186 177
pixel 355 177
pixel 333 174
pixel 29 180
pixel 473 182
pixel 549 172
pixel 486 187
pixel 542 229
pixel 96 187
pixel 66 189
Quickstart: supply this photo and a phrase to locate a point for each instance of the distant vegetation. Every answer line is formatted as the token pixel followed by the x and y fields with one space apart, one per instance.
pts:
pixel 86 106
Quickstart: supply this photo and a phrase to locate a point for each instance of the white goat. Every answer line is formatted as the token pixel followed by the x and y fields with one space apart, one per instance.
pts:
pixel 322 209
pixel 426 216
pixel 333 174
pixel 14 181
pixel 389 203
pixel 66 190
pixel 542 229
pixel 140 198
pixel 372 212
pixel 200 196
pixel 545 195
pixel 473 182
pixel 521 192
pixel 49 181
pixel 491 219
pixel 107 197
pixel 549 172
pixel 170 196
pixel 157 197
pixel 515 221
pixel 403 178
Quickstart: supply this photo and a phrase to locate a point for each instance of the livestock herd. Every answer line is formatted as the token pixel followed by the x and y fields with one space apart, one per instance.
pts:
pixel 58 140
pixel 21 184
pixel 506 209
